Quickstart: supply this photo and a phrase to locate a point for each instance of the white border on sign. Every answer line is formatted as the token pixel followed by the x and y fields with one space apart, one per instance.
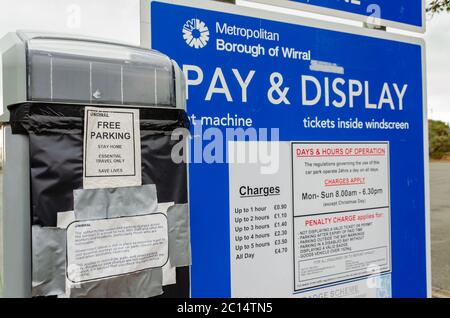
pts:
pixel 426 158
pixel 345 15
pixel 263 14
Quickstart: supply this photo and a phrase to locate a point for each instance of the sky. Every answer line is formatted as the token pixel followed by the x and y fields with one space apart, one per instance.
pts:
pixel 119 20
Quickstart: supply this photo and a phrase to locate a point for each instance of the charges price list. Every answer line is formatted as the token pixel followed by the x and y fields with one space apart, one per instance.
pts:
pixel 260 227
pixel 280 228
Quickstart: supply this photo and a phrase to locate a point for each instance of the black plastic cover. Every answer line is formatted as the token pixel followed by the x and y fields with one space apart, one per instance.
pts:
pixel 56 160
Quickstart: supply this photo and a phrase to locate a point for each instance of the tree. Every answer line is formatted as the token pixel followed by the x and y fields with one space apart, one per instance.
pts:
pixel 439 138
pixel 437 6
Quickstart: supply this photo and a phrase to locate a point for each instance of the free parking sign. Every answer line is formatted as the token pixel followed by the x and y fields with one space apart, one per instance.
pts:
pixel 308 168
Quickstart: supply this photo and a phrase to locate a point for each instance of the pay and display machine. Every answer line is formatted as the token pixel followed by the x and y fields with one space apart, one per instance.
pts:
pixel 50 86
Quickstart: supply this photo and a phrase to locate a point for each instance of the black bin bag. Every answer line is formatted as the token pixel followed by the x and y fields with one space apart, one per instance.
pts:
pixel 56 160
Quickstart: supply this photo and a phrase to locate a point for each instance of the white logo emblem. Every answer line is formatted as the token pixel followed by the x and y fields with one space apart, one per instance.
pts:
pixel 195 33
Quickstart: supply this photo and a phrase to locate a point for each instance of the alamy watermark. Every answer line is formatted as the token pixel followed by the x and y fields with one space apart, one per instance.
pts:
pixel 239 145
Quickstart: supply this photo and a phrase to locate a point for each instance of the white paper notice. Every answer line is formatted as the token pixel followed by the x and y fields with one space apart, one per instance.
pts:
pixel 341 212
pixel 112 148
pixel 110 247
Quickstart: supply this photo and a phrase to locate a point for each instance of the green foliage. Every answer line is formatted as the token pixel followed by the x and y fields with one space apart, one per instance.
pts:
pixel 439 138
pixel 437 6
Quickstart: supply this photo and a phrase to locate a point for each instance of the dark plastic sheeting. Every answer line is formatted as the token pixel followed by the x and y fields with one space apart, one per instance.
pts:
pixel 56 161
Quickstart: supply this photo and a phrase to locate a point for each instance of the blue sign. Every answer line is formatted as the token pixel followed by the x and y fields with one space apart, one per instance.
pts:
pixel 331 197
pixel 405 14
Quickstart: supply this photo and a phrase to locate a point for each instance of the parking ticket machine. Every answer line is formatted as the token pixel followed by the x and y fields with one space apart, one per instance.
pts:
pixel 93 204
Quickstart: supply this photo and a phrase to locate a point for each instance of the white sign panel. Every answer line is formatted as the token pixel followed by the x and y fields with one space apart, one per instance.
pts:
pixel 110 247
pixel 322 219
pixel 112 148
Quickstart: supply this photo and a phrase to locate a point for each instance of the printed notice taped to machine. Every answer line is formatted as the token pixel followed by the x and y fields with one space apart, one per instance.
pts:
pixel 112 148
pixel 109 247
pixel 341 212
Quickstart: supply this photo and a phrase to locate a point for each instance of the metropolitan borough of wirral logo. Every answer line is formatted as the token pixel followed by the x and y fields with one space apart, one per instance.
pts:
pixel 195 33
